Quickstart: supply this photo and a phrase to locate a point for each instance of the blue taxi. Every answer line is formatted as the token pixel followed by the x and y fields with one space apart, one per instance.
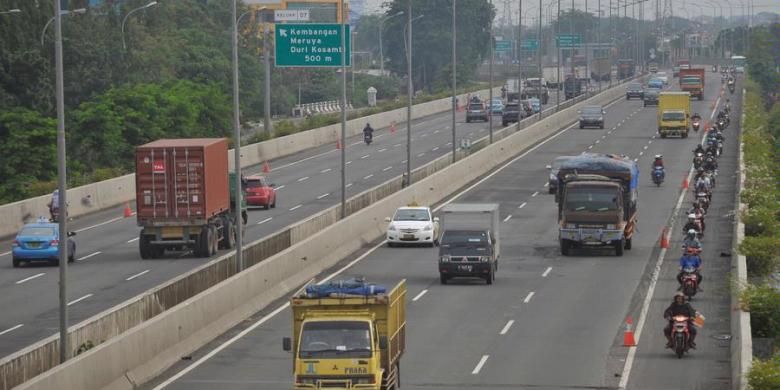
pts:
pixel 40 242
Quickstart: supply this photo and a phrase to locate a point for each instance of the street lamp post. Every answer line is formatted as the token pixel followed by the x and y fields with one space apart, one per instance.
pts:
pixel 409 93
pixel 63 12
pixel 237 140
pixel 151 4
pixel 267 124
pixel 454 79
pixel 381 51
pixel 539 55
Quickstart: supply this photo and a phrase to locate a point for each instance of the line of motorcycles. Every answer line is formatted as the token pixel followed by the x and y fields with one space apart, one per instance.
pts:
pixel 728 77
pixel 706 167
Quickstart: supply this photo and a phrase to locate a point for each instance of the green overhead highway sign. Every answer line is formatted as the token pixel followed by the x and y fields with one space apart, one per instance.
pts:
pixel 565 40
pixel 530 44
pixel 503 46
pixel 310 45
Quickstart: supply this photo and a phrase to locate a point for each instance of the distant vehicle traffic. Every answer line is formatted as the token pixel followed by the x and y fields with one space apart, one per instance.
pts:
pixel 655 83
pixel 476 111
pixel 650 97
pixel 626 68
pixel 412 225
pixel 592 116
pixel 634 90
pixel 40 241
pixel 663 77
pixel 259 192
pixel 512 113
pixel 535 105
pixel 674 112
pixel 496 107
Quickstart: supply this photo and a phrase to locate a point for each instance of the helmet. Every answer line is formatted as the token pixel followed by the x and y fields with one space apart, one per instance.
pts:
pixel 691 216
pixel 659 156
pixel 679 295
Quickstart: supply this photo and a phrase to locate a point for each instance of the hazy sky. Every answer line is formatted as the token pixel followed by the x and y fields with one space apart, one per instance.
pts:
pixel 683 8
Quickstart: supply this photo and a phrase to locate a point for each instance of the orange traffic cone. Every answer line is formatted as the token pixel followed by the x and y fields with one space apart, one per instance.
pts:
pixel 266 167
pixel 338 144
pixel 392 127
pixel 128 212
pixel 628 335
pixel 664 238
pixel 685 182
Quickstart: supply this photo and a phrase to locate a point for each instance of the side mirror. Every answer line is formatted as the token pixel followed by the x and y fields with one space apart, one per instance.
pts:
pixel 387 219
pixel 603 112
pixel 382 342
pixel 71 234
pixel 286 344
pixel 435 219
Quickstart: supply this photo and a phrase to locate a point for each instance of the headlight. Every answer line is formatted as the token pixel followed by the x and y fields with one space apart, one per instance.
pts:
pixel 552 177
pixel 611 226
pixel 428 227
pixel 571 226
pixel 365 381
pixel 601 118
pixel 484 259
pixel 391 227
pixel 444 259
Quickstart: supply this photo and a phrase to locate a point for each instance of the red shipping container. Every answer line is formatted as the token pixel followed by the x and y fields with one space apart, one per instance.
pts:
pixel 181 181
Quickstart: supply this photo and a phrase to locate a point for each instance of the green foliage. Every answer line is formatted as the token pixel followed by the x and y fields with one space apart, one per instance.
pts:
pixel 763 303
pixel 764 375
pixel 762 253
pixel 26 156
pixel 762 60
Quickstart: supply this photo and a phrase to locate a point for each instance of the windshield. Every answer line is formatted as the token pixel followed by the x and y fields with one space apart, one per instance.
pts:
pixel 512 107
pixel 37 232
pixel 340 339
pixel 691 80
pixel 591 200
pixel 464 238
pixel 259 183
pixel 674 116
pixel 412 215
pixel 634 87
pixel 591 110
pixel 475 107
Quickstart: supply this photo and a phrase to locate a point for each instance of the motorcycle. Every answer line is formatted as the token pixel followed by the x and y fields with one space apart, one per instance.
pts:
pixel 731 88
pixel 698 159
pixel 690 283
pixel 715 69
pixel 680 335
pixel 721 124
pixel 703 200
pixel 54 212
pixel 658 176
pixel 696 124
pixel 367 138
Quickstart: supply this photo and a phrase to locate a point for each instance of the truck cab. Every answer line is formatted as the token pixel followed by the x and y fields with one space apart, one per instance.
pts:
pixel 674 110
pixel 347 335
pixel 469 245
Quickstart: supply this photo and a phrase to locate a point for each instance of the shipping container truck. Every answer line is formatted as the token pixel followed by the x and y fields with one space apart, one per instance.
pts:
pixel 692 81
pixel 470 243
pixel 512 90
pixel 536 88
pixel 626 68
pixel 674 113
pixel 183 197
pixel 347 335
pixel 597 202
pixel 600 69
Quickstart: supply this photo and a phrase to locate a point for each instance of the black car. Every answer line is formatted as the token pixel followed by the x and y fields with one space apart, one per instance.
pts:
pixel 592 116
pixel 634 90
pixel 651 97
pixel 512 113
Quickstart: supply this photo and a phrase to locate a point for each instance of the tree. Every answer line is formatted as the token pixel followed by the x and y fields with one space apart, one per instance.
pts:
pixel 26 157
pixel 432 39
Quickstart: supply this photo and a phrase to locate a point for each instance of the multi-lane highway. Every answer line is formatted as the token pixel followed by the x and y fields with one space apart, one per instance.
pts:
pixel 548 322
pixel 109 270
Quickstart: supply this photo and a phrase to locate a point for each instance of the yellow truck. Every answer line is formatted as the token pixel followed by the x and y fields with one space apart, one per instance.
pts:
pixel 347 335
pixel 674 114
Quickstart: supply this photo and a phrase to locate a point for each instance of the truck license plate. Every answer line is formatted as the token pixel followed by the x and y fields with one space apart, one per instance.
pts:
pixel 464 268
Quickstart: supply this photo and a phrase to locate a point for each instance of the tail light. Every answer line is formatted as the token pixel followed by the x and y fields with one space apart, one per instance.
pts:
pixel 54 242
pixel 14 243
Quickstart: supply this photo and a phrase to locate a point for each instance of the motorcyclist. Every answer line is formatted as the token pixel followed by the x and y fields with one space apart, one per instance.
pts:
pixel 368 131
pixel 692 224
pixel 691 241
pixel 54 204
pixel 710 163
pixel 696 116
pixel 728 105
pixel 680 307
pixel 699 173
pixel 699 149
pixel 690 259
pixel 658 161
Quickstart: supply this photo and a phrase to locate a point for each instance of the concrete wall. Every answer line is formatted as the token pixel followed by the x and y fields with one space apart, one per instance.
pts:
pixel 144 351
pixel 741 339
pixel 109 193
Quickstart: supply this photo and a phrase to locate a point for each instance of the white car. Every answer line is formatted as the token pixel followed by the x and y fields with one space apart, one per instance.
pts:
pixel 663 77
pixel 413 225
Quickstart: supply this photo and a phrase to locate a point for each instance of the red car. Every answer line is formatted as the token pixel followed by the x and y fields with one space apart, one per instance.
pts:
pixel 259 192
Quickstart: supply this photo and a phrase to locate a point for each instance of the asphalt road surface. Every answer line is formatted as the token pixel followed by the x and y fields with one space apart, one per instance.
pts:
pixel 548 322
pixel 109 270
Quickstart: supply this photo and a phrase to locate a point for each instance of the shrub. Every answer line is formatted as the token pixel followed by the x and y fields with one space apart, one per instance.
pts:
pixel 764 374
pixel 762 253
pixel 763 303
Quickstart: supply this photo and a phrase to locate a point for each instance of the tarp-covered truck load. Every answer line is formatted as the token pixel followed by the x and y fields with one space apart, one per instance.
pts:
pixel 597 201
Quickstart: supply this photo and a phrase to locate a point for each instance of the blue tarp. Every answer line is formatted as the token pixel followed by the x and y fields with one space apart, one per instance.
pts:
pixel 346 287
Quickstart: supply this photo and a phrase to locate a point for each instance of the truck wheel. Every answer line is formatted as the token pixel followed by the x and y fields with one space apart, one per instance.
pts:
pixel 565 247
pixel 228 234
pixel 619 248
pixel 144 247
pixel 443 278
pixel 203 243
pixel 213 240
pixel 628 244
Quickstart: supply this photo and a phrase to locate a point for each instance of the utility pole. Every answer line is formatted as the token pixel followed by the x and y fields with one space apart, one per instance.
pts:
pixel 237 141
pixel 454 80
pixel 410 95
pixel 520 88
pixel 267 125
pixel 343 110
pixel 490 87
pixel 539 55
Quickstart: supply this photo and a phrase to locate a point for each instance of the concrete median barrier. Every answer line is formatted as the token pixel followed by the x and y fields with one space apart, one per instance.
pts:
pixel 147 349
pixel 102 195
